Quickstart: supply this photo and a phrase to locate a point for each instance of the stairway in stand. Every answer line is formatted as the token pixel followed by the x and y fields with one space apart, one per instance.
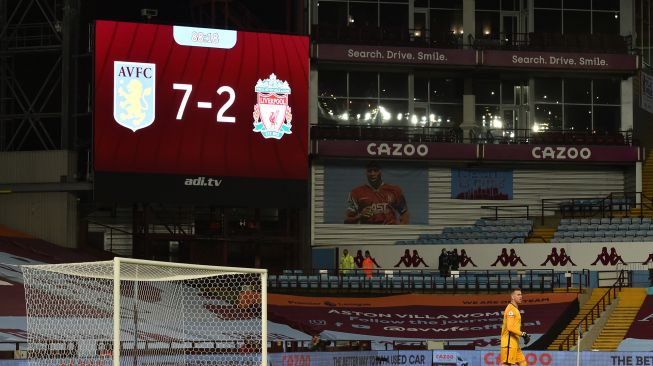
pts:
pixel 614 331
pixel 597 293
pixel 542 234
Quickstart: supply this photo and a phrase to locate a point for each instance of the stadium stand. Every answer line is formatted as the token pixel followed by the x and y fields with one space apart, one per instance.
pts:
pixel 482 232
pixel 604 230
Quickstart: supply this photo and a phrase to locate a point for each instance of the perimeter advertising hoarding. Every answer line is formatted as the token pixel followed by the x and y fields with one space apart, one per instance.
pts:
pixel 419 358
pixel 457 358
pixel 200 115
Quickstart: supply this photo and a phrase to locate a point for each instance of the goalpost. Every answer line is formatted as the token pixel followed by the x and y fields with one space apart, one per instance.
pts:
pixel 130 312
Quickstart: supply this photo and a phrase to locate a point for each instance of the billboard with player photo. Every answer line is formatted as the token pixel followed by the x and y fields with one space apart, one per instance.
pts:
pixel 375 193
pixel 211 115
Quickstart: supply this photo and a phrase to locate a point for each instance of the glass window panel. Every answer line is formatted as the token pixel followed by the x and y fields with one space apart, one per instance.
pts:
pixel 360 111
pixel 485 114
pixel 510 5
pixel 578 91
pixel 363 84
pixel 488 5
pixel 393 112
pixel 548 117
pixel 548 90
pixel 447 4
pixel 332 111
pixel 605 23
pixel 576 21
pixel 332 13
pixel 578 117
pixel 447 90
pixel 421 89
pixel 393 85
pixel 332 83
pixel 394 15
pixel 443 22
pixel 577 4
pixel 548 21
pixel 605 5
pixel 486 91
pixel 364 14
pixel 487 24
pixel 421 3
pixel 553 4
pixel 607 119
pixel 445 115
pixel 512 91
pixel 607 91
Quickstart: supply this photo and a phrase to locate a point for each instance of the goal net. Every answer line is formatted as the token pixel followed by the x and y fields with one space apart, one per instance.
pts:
pixel 132 312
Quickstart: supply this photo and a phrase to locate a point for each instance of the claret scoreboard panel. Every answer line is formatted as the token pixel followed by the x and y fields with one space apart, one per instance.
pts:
pixel 200 115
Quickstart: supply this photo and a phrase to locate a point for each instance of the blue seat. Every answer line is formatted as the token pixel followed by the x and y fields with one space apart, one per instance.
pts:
pixel 272 281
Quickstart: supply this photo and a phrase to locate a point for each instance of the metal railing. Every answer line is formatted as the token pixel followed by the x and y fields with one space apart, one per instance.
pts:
pixel 507 211
pixel 420 281
pixel 595 312
pixel 516 41
pixel 352 129
pixel 602 207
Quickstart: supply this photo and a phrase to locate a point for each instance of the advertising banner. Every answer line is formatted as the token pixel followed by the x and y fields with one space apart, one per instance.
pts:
pixel 395 55
pixel 459 358
pixel 562 154
pixel 640 336
pixel 397 150
pixel 558 256
pixel 481 184
pixel 199 111
pixel 375 192
pixel 560 60
pixel 420 358
pixel 476 319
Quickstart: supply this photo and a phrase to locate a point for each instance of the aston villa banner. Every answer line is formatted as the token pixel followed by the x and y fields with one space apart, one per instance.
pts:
pixel 639 336
pixel 476 319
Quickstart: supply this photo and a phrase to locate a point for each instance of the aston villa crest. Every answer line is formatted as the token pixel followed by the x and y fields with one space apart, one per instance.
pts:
pixel 272 114
pixel 133 94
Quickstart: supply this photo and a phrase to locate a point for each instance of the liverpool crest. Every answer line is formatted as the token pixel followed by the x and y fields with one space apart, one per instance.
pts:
pixel 272 114
pixel 133 94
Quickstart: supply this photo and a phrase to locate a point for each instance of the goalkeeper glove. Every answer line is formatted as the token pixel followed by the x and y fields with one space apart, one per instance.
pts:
pixel 527 338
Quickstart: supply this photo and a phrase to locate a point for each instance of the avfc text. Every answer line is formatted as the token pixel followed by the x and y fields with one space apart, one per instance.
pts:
pixel 203 182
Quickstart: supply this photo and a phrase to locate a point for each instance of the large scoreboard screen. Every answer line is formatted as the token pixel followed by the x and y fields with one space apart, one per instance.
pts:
pixel 187 114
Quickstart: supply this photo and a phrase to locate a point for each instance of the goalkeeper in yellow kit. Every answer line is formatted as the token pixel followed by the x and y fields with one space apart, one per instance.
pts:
pixel 511 331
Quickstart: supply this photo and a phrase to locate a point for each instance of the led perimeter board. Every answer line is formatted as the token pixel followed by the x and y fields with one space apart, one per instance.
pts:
pixel 196 115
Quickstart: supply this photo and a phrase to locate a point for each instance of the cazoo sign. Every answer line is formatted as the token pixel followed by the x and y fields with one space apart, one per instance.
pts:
pixel 561 153
pixel 417 150
pixel 397 149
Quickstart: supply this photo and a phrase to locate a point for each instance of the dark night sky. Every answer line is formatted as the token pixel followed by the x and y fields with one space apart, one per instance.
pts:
pixel 269 15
